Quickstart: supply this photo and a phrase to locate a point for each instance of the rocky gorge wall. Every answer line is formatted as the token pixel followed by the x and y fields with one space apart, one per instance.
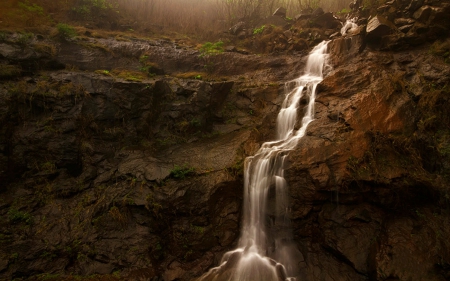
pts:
pixel 142 180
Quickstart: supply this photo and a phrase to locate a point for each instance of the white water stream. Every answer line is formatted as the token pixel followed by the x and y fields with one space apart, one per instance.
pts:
pixel 266 250
pixel 349 27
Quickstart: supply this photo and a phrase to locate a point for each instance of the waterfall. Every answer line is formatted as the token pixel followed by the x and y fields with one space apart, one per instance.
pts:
pixel 269 253
pixel 349 27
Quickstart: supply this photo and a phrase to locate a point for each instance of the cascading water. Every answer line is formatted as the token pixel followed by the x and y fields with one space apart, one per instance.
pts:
pixel 269 253
pixel 349 27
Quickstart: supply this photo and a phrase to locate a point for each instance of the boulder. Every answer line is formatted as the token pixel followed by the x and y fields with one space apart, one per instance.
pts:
pixel 288 33
pixel 423 13
pixel 355 5
pixel 378 27
pixel 326 20
pixel 318 12
pixel 405 28
pixel 302 17
pixel 280 12
pixel 274 20
pixel 403 21
pixel 414 5
pixel 237 28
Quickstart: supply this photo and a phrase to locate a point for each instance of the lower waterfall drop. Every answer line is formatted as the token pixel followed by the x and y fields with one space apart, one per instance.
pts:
pixel 264 253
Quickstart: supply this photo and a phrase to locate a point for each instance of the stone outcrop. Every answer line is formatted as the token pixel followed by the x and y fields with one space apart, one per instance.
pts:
pixel 98 170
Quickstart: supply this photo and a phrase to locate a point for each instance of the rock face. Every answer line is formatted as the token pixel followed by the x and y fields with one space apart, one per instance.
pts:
pixel 362 162
pixel 103 174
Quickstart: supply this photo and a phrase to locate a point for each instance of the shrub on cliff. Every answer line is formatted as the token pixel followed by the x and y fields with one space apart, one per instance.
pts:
pixel 66 31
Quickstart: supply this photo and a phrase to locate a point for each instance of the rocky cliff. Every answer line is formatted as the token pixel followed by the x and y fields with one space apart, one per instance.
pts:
pixel 140 178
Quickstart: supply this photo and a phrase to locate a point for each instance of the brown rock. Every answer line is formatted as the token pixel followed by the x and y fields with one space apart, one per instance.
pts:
pixel 405 28
pixel 326 20
pixel 403 21
pixel 423 13
pixel 377 27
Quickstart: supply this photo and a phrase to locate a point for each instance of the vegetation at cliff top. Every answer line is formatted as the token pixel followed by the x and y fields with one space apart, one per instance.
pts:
pixel 204 20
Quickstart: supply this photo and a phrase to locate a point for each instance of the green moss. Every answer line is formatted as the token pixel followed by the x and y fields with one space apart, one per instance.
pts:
pixel 65 31
pixel 259 30
pixel 103 72
pixel 181 172
pixel 209 49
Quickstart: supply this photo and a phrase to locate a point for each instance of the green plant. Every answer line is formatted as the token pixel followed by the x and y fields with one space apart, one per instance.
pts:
pixel 259 30
pixel 87 9
pixel 442 49
pixel 16 216
pixel 209 49
pixel 24 38
pixel 48 167
pixel 103 71
pixel 14 256
pixel 3 36
pixel 65 31
pixel 31 7
pixel 45 48
pixel 9 71
pixel 344 11
pixel 180 172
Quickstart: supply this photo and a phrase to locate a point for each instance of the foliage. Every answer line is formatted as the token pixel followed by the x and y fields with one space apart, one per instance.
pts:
pixel 441 49
pixel 369 4
pixel 180 172
pixel 344 11
pixel 16 216
pixel 129 75
pixel 24 38
pixel 45 48
pixel 2 36
pixel 150 68
pixel 9 71
pixel 259 30
pixel 191 75
pixel 103 71
pixel 66 31
pixel 88 9
pixel 209 49
pixel 31 7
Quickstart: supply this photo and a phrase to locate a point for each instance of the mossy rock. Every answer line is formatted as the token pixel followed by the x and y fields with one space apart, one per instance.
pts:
pixel 9 71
